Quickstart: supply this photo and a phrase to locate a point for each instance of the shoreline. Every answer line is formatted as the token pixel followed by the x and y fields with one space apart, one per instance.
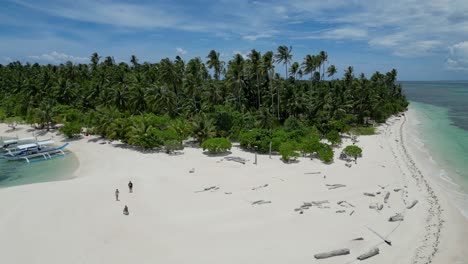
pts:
pixel 168 216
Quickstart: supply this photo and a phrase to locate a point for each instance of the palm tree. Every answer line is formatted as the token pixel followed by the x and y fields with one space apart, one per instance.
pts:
pixel 95 60
pixel 294 69
pixel 134 61
pixel 255 58
pixel 267 68
pixel 215 63
pixel 284 55
pixel 309 65
pixel 323 58
pixel 236 75
pixel 331 70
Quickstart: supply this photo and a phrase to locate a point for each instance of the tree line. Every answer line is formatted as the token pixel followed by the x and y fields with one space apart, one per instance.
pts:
pixel 202 98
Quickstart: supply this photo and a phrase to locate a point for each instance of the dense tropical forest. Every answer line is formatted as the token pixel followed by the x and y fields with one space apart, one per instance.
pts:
pixel 157 105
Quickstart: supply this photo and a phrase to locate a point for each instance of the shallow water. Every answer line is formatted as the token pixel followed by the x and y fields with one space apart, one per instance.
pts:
pixel 442 111
pixel 14 173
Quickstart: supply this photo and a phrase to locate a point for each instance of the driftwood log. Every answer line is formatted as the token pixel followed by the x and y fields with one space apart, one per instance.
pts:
pixel 395 218
pixel 369 254
pixel 397 190
pixel 369 194
pixel 387 195
pixel 412 204
pixel 212 188
pixel 359 238
pixel 260 202
pixel 334 186
pixel 334 253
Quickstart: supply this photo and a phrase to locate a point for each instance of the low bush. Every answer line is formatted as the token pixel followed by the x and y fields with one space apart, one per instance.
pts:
pixel 363 131
pixel 325 153
pixel 217 145
pixel 288 151
pixel 353 151
pixel 71 129
pixel 173 145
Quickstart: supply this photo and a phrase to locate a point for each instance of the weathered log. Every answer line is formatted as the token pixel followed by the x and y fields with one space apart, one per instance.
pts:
pixel 395 218
pixel 373 206
pixel 369 254
pixel 386 197
pixel 334 253
pixel 343 203
pixel 334 186
pixel 369 194
pixel 397 190
pixel 412 204
pixel 259 187
pixel 259 202
pixel 318 172
pixel 359 238
pixel 212 188
pixel 380 207
pixel 352 213
pixel 340 211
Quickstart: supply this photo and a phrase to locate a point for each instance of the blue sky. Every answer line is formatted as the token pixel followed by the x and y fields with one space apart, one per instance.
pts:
pixel 423 40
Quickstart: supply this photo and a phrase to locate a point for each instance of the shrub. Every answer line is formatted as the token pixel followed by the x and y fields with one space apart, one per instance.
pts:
pixel 363 131
pixel 260 138
pixel 217 145
pixel 287 151
pixel 325 153
pixel 334 137
pixel 173 145
pixel 2 115
pixel 310 144
pixel 353 151
pixel 71 129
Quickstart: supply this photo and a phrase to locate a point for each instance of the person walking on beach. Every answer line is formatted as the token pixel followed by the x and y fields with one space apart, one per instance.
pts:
pixel 130 186
pixel 125 210
pixel 116 194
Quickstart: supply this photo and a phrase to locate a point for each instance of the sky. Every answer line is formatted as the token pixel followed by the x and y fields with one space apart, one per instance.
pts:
pixel 422 39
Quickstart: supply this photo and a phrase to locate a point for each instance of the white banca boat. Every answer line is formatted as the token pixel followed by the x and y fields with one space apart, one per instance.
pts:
pixel 40 150
pixel 14 142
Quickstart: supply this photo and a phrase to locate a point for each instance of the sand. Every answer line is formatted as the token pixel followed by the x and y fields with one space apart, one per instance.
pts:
pixel 173 220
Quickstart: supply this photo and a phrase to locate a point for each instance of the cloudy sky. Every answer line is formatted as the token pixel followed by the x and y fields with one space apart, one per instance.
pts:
pixel 422 39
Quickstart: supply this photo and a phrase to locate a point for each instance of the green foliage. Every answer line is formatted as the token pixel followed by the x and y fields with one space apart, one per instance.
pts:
pixel 353 151
pixel 291 124
pixel 71 129
pixel 363 130
pixel 216 145
pixel 14 119
pixel 310 144
pixel 288 151
pixel 325 153
pixel 203 128
pixel 173 145
pixel 255 139
pixel 2 115
pixel 334 137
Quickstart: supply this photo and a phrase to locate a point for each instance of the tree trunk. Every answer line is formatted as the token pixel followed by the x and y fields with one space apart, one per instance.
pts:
pixel 333 253
pixel 369 254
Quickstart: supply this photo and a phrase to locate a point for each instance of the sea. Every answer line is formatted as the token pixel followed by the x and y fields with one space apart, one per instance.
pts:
pixel 13 173
pixel 441 109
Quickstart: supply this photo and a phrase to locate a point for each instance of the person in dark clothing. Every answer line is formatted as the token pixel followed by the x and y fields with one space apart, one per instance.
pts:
pixel 125 211
pixel 130 186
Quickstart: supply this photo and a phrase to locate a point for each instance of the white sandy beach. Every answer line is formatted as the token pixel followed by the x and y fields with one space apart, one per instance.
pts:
pixel 79 221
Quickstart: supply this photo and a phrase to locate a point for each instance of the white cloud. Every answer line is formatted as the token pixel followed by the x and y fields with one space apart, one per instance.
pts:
pixel 257 36
pixel 244 55
pixel 458 58
pixel 181 51
pixel 344 33
pixel 56 58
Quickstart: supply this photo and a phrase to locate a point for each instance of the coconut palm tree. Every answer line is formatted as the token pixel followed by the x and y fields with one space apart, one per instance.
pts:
pixel 331 70
pixel 255 58
pixel 294 69
pixel 236 76
pixel 215 63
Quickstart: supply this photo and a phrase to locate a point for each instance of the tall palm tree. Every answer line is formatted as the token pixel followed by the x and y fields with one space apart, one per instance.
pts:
pixel 268 69
pixel 215 63
pixel 309 65
pixel 255 58
pixel 95 60
pixel 236 75
pixel 331 70
pixel 134 61
pixel 323 58
pixel 294 69
pixel 284 55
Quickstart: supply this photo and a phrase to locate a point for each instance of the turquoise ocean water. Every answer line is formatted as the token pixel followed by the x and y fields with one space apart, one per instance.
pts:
pixel 14 173
pixel 442 109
